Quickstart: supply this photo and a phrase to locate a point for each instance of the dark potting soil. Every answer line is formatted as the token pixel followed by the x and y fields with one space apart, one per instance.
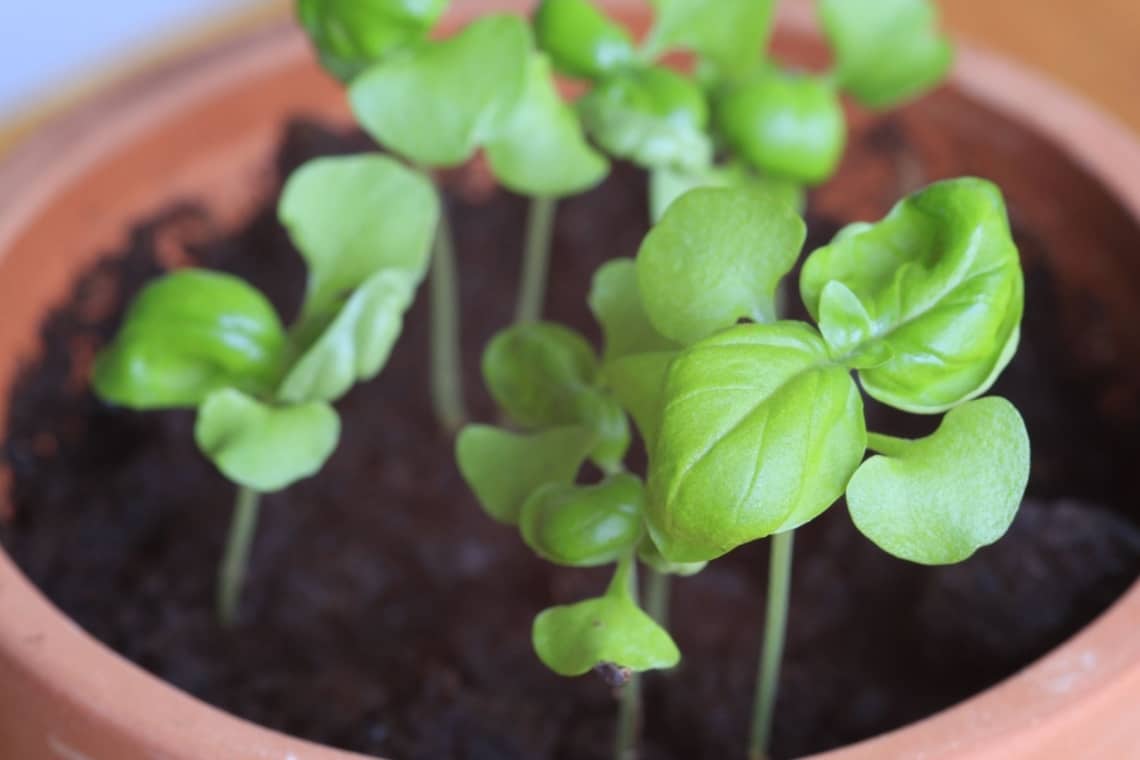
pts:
pixel 385 613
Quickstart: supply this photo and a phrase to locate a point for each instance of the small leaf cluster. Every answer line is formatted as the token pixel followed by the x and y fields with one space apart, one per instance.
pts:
pixel 438 102
pixel 202 339
pixel 754 425
pixel 766 123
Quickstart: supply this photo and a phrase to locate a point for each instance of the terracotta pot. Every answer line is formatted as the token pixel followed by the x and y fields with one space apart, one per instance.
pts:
pixel 206 129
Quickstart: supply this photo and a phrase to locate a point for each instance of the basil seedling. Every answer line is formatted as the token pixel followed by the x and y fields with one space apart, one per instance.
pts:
pixel 210 341
pixel 754 425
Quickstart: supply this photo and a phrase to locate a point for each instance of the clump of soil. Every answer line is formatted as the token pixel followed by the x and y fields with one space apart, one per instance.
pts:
pixel 386 614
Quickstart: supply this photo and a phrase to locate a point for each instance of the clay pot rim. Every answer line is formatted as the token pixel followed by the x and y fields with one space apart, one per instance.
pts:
pixel 1073 686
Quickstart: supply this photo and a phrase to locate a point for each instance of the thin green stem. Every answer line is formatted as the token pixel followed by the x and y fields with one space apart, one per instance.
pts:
pixel 775 630
pixel 629 710
pixel 536 260
pixel 446 360
pixel 236 559
pixel 657 597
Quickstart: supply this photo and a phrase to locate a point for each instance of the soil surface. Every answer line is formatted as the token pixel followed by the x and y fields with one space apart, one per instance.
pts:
pixel 386 614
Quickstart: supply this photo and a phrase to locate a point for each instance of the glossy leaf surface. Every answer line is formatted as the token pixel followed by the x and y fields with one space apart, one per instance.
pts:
pixel 581 40
pixel 584 526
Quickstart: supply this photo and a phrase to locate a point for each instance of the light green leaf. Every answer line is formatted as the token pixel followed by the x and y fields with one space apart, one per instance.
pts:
pixel 574 639
pixel 353 216
pixel 580 40
pixel 939 499
pixel 845 325
pixel 616 303
pixel 437 105
pixel 760 433
pixel 265 447
pixel 604 416
pixel 188 334
pixel 886 51
pixel 787 125
pixel 638 382
pixel 667 185
pixel 653 117
pixel 504 469
pixel 541 150
pixel 649 554
pixel 717 256
pixel 350 35
pixel 941 282
pixel 356 344
pixel 732 35
pixel 584 526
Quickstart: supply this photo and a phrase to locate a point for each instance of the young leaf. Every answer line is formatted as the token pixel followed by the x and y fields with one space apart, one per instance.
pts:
pixel 760 433
pixel 356 344
pixel 716 256
pixel 886 51
pixel 504 469
pixel 667 185
pixel 350 35
pixel 941 282
pixel 732 36
pixel 653 117
pixel 605 417
pixel 638 382
pixel 188 334
pixel 540 149
pixel 572 640
pixel 939 499
pixel 537 371
pixel 650 555
pixel 438 104
pixel 265 447
pixel 580 40
pixel 788 125
pixel 351 217
pixel 616 303
pixel 584 526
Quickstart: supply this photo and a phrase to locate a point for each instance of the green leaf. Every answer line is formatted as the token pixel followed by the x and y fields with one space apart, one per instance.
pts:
pixel 356 344
pixel 650 555
pixel 616 303
pixel 941 283
pixel 939 499
pixel 541 150
pixel 537 371
pixel 351 217
pixel 188 334
pixel 667 185
pixel 653 117
pixel 732 36
pixel 437 105
pixel 504 469
pixel 574 639
pixel 604 416
pixel 265 447
pixel 584 526
pixel 760 433
pixel 638 382
pixel 717 256
pixel 787 125
pixel 886 51
pixel 350 35
pixel 580 40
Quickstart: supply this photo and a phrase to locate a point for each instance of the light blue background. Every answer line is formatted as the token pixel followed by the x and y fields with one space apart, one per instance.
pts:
pixel 48 43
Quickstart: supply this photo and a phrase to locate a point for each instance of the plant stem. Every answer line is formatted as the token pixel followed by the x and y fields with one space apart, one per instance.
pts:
pixel 629 717
pixel 446 360
pixel 657 597
pixel 536 260
pixel 236 559
pixel 775 628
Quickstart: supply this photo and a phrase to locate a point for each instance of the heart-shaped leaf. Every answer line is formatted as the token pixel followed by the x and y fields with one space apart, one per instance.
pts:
pixel 574 639
pixel 350 217
pixel 188 334
pixel 356 344
pixel 733 35
pixel 438 104
pixel 886 51
pixel 580 40
pixel 760 433
pixel 265 447
pixel 540 150
pixel 584 526
pixel 939 499
pixel 504 469
pixel 715 257
pixel 667 185
pixel 615 301
pixel 940 280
